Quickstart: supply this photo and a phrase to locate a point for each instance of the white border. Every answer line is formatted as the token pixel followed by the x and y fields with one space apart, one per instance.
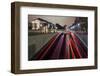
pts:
pixel 25 64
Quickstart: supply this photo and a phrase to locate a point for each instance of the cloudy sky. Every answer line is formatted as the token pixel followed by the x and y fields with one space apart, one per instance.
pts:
pixel 62 20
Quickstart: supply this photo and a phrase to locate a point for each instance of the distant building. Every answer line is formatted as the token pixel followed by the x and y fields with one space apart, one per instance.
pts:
pixel 66 28
pixel 80 24
pixel 43 26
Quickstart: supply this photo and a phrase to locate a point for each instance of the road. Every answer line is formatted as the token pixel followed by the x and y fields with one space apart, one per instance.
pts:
pixel 63 45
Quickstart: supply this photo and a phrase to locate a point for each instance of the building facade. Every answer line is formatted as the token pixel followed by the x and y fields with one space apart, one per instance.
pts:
pixel 41 25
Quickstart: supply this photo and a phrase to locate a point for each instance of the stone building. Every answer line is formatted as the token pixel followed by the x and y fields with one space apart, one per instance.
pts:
pixel 80 24
pixel 41 25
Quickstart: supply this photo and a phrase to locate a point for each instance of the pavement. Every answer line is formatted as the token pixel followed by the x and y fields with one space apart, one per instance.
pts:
pixel 64 45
